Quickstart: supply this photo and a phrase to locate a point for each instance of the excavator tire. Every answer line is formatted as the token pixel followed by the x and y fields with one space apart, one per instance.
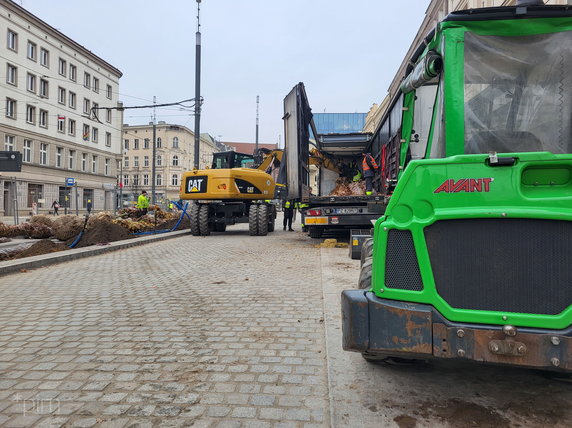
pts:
pixel 195 208
pixel 271 218
pixel 262 220
pixel 204 220
pixel 253 220
pixel 366 250
pixel 365 274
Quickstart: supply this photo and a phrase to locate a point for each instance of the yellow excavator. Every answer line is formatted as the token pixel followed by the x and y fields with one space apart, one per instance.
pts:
pixel 238 188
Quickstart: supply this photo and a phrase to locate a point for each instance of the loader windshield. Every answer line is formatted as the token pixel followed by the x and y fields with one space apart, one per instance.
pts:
pixel 518 93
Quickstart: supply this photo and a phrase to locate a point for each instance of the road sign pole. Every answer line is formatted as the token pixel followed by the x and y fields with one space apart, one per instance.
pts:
pixel 66 202
pixel 76 200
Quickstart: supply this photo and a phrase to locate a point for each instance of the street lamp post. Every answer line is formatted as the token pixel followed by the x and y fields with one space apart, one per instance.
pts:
pixel 198 87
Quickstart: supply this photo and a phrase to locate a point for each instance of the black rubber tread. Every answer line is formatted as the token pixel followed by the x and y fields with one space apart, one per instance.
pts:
pixel 366 250
pixel 253 220
pixel 220 227
pixel 195 208
pixel 272 218
pixel 262 220
pixel 315 232
pixel 204 220
pixel 365 274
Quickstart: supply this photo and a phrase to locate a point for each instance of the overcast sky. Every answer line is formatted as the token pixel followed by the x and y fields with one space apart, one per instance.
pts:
pixel 345 52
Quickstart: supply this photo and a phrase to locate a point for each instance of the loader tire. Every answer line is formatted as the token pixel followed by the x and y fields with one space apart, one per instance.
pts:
pixel 195 208
pixel 315 232
pixel 204 220
pixel 366 250
pixel 365 274
pixel 262 220
pixel 253 220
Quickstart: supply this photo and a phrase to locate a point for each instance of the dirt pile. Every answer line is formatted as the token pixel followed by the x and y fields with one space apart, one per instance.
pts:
pixel 67 227
pixel 346 187
pixel 102 232
pixel 45 246
pixel 42 219
pixel 26 230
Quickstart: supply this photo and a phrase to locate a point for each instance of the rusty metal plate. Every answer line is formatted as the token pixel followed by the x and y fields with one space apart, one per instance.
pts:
pixel 493 346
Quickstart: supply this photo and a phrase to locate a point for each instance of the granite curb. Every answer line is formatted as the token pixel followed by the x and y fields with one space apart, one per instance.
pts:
pixel 73 254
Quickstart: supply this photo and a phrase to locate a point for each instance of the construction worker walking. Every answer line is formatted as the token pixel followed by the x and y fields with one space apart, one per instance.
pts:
pixel 369 166
pixel 143 203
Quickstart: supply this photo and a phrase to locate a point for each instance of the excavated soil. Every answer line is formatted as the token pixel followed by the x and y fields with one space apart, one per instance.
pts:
pixel 45 246
pixel 103 233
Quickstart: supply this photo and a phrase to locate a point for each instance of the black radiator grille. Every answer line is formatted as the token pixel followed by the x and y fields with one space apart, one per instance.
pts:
pixel 401 266
pixel 507 265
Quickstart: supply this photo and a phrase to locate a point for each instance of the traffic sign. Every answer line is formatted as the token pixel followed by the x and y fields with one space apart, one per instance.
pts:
pixel 70 181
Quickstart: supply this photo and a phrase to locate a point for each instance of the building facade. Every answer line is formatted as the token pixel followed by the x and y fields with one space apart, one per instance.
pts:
pixel 49 92
pixel 436 12
pixel 174 154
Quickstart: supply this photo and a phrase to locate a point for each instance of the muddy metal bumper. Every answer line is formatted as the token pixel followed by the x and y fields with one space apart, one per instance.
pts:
pixel 376 326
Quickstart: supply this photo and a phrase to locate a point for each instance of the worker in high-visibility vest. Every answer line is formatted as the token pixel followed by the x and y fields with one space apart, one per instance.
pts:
pixel 369 166
pixel 288 214
pixel 143 202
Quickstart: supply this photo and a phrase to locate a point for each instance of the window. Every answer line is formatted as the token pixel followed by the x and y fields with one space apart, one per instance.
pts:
pixel 145 179
pixel 159 160
pixel 159 180
pixel 44 88
pixel 61 95
pixel 108 139
pixel 95 84
pixel 146 143
pixel 108 115
pixel 126 180
pixel 9 142
pixel 175 142
pixel 107 163
pixel 43 121
pixel 61 123
pixel 87 80
pixel 136 180
pixel 43 154
pixel 126 162
pixel 84 161
pixel 126 144
pixel 108 91
pixel 86 132
pixel 136 144
pixel 86 106
pixel 72 100
pixel 87 197
pixel 175 180
pixel 27 155
pixel 146 161
pixel 94 164
pixel 95 107
pixel 159 142
pixel 71 127
pixel 30 114
pixel 175 160
pixel 135 161
pixel 11 75
pixel 35 193
pixel 31 83
pixel 71 159
pixel 73 73
pixel 44 57
pixel 12 40
pixel 10 108
pixel 32 51
pixel 62 67
pixel 94 134
pixel 59 156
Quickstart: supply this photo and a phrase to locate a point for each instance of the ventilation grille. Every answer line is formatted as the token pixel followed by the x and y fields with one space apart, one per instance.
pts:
pixel 401 266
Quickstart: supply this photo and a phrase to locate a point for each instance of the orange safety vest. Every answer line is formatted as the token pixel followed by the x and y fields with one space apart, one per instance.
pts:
pixel 364 164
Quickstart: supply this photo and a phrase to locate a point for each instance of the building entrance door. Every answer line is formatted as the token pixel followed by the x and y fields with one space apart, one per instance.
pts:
pixel 8 203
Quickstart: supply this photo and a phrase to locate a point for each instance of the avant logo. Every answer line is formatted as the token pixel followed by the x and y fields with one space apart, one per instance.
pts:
pixel 194 185
pixel 465 185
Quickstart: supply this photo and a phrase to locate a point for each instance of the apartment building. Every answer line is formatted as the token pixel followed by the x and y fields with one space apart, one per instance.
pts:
pixel 53 91
pixel 174 154
pixel 436 11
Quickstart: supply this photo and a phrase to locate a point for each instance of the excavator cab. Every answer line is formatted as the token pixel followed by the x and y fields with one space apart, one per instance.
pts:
pixel 232 159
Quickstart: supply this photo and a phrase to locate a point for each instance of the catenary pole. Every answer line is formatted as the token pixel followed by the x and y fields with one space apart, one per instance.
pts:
pixel 198 87
pixel 256 144
pixel 153 199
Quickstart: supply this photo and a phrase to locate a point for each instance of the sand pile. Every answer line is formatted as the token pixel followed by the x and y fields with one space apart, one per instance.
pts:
pixel 44 246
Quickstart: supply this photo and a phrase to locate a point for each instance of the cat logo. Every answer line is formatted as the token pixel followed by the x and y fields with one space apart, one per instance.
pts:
pixel 196 184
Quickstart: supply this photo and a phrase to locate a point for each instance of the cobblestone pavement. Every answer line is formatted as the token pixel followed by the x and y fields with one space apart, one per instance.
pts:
pixel 225 330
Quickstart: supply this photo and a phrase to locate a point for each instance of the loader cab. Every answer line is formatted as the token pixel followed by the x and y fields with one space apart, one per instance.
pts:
pixel 232 159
